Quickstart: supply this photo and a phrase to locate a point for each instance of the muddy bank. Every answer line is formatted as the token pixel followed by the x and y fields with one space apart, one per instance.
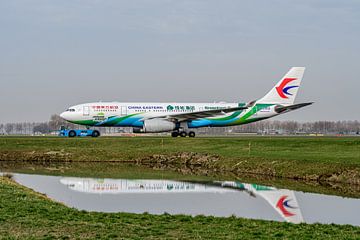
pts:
pixel 36 156
pixel 191 163
pixel 206 164
pixel 186 166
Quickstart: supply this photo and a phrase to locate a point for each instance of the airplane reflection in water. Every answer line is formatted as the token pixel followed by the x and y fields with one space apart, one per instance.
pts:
pixel 283 201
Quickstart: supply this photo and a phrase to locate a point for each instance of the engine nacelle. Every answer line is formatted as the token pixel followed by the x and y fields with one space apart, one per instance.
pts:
pixel 155 126
pixel 158 125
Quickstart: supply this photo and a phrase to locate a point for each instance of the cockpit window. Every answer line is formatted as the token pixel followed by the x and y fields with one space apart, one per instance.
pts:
pixel 70 110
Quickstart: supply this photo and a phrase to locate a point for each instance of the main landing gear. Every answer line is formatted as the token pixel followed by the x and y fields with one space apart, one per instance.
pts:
pixel 183 134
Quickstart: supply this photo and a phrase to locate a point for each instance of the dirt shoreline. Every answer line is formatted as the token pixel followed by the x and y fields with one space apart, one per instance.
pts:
pixel 196 164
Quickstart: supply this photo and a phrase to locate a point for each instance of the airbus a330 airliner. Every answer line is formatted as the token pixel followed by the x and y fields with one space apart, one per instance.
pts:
pixel 180 118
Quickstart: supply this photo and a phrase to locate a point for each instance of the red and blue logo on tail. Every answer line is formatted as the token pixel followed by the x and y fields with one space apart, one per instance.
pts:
pixel 283 90
pixel 285 207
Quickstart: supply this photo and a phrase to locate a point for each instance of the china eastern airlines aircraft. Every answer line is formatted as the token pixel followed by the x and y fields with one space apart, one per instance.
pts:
pixel 180 118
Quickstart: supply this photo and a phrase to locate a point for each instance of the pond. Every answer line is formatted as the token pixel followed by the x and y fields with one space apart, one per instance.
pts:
pixel 210 198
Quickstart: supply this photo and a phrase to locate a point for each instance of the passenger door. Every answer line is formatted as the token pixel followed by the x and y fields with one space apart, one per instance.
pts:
pixel 123 110
pixel 86 111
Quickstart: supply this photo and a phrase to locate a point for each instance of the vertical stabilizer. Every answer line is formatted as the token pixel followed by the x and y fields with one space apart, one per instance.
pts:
pixel 285 90
pixel 285 203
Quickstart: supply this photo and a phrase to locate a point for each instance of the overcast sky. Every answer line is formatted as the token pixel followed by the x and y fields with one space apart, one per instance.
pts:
pixel 54 54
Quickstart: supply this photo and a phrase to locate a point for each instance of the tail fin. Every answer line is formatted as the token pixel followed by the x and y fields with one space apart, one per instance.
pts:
pixel 285 203
pixel 285 91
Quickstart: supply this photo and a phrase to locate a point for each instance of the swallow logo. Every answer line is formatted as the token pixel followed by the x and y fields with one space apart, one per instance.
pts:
pixel 283 205
pixel 283 90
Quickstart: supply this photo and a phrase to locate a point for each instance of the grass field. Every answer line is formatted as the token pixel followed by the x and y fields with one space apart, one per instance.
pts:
pixel 326 165
pixel 25 214
pixel 342 150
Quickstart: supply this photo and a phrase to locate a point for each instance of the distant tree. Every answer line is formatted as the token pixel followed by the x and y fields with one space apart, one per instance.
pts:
pixel 42 128
pixel 18 128
pixel 9 128
pixel 56 121
pixel 291 127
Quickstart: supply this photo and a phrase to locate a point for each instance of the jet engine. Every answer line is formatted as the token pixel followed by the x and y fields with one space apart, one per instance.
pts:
pixel 156 125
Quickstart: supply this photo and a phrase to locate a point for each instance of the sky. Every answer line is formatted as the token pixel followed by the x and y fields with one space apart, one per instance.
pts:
pixel 54 54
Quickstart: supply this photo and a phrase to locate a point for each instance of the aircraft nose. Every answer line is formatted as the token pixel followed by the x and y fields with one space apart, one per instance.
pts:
pixel 68 182
pixel 63 115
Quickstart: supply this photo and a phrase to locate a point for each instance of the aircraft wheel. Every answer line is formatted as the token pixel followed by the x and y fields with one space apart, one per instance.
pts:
pixel 72 133
pixel 191 134
pixel 174 134
pixel 95 133
pixel 183 134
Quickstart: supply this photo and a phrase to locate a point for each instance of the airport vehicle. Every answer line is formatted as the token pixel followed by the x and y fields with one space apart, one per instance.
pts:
pixel 78 132
pixel 180 118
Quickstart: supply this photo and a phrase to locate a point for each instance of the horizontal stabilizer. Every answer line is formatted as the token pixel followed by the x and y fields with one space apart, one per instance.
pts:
pixel 282 109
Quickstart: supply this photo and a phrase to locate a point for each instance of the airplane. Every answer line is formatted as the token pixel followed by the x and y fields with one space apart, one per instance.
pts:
pixel 283 201
pixel 180 118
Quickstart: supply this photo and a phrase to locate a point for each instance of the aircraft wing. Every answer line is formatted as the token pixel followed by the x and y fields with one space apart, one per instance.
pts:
pixel 199 114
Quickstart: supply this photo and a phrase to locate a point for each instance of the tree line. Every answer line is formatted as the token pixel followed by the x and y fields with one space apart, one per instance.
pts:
pixel 51 126
pixel 294 127
pixel 263 127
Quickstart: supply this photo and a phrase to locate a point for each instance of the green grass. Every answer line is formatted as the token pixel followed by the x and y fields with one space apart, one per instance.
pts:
pixel 330 163
pixel 286 155
pixel 25 214
pixel 342 150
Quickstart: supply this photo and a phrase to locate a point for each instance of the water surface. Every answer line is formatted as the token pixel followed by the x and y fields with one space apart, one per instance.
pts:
pixel 215 198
